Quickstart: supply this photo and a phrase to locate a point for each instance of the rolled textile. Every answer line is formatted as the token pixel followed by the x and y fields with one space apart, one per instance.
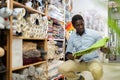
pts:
pixel 38 72
pixel 2 21
pixel 31 54
pixel 28 78
pixel 31 71
pixel 14 21
pixel 2 26
pixel 15 76
pixel 29 46
pixel 24 72
pixel 31 78
pixel 20 11
pixel 23 77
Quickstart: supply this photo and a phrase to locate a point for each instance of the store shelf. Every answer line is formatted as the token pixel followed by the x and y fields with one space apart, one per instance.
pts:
pixel 25 66
pixel 31 10
pixel 15 37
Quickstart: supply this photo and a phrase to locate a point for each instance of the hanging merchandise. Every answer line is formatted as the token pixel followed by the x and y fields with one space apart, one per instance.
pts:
pixel 69 27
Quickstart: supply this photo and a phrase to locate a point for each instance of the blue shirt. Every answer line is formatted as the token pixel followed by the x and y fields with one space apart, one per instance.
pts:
pixel 77 43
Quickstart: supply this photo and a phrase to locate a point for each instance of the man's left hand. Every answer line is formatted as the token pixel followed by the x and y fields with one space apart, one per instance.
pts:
pixel 104 49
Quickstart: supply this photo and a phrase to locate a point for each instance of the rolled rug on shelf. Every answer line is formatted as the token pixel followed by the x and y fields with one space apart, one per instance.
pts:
pixel 16 76
pixel 28 78
pixel 38 72
pixel 31 71
pixel 2 21
pixel 36 75
pixel 2 26
pixel 19 12
pixel 24 72
pixel 22 21
pixel 33 78
pixel 23 77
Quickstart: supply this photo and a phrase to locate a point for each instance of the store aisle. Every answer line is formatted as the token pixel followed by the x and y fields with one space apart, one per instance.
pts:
pixel 111 71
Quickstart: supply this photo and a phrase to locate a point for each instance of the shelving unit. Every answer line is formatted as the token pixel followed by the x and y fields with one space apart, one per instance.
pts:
pixel 6 45
pixel 30 10
pixel 34 64
pixel 42 42
pixel 56 38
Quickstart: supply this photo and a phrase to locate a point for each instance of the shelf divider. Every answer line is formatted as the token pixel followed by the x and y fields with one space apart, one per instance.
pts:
pixel 25 66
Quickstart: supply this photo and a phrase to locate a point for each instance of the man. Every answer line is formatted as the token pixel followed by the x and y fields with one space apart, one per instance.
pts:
pixel 81 40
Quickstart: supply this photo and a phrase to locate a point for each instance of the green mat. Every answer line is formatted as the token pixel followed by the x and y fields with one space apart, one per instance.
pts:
pixel 95 46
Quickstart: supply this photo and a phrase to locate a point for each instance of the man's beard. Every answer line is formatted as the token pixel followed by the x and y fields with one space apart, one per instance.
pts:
pixel 80 32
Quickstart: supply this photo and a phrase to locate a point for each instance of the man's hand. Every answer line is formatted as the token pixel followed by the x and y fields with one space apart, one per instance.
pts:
pixel 70 56
pixel 104 49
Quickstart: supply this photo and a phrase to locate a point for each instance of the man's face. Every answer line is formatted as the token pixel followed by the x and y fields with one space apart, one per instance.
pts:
pixel 79 26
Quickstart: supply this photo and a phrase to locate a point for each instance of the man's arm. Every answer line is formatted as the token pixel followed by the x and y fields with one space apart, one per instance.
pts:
pixel 69 49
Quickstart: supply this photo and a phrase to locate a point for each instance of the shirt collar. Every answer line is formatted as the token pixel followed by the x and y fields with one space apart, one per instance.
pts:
pixel 83 33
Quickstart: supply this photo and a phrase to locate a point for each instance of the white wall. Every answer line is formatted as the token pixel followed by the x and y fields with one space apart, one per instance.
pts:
pixel 96 7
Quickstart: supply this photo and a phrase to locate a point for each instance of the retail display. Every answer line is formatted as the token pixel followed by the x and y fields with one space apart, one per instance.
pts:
pixel 56 37
pixel 52 69
pixel 32 73
pixel 4 18
pixel 25 42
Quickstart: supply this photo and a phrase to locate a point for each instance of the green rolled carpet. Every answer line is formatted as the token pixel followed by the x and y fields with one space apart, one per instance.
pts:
pixel 95 46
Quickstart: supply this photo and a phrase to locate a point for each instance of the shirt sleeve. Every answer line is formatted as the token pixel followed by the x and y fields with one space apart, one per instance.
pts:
pixel 70 46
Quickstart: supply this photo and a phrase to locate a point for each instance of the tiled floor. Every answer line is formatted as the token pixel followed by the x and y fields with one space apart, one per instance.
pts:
pixel 111 71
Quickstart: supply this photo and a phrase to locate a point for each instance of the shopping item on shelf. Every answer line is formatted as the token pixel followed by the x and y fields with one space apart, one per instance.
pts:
pixel 31 70
pixel 15 76
pixel 24 72
pixel 98 44
pixel 1 52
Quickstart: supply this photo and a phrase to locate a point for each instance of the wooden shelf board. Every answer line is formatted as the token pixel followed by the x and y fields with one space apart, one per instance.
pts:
pixel 16 37
pixel 31 10
pixel 25 66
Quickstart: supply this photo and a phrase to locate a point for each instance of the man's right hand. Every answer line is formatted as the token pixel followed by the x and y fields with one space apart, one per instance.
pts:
pixel 70 56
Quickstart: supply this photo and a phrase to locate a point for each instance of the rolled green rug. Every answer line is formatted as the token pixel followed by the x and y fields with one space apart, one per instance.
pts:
pixel 101 43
